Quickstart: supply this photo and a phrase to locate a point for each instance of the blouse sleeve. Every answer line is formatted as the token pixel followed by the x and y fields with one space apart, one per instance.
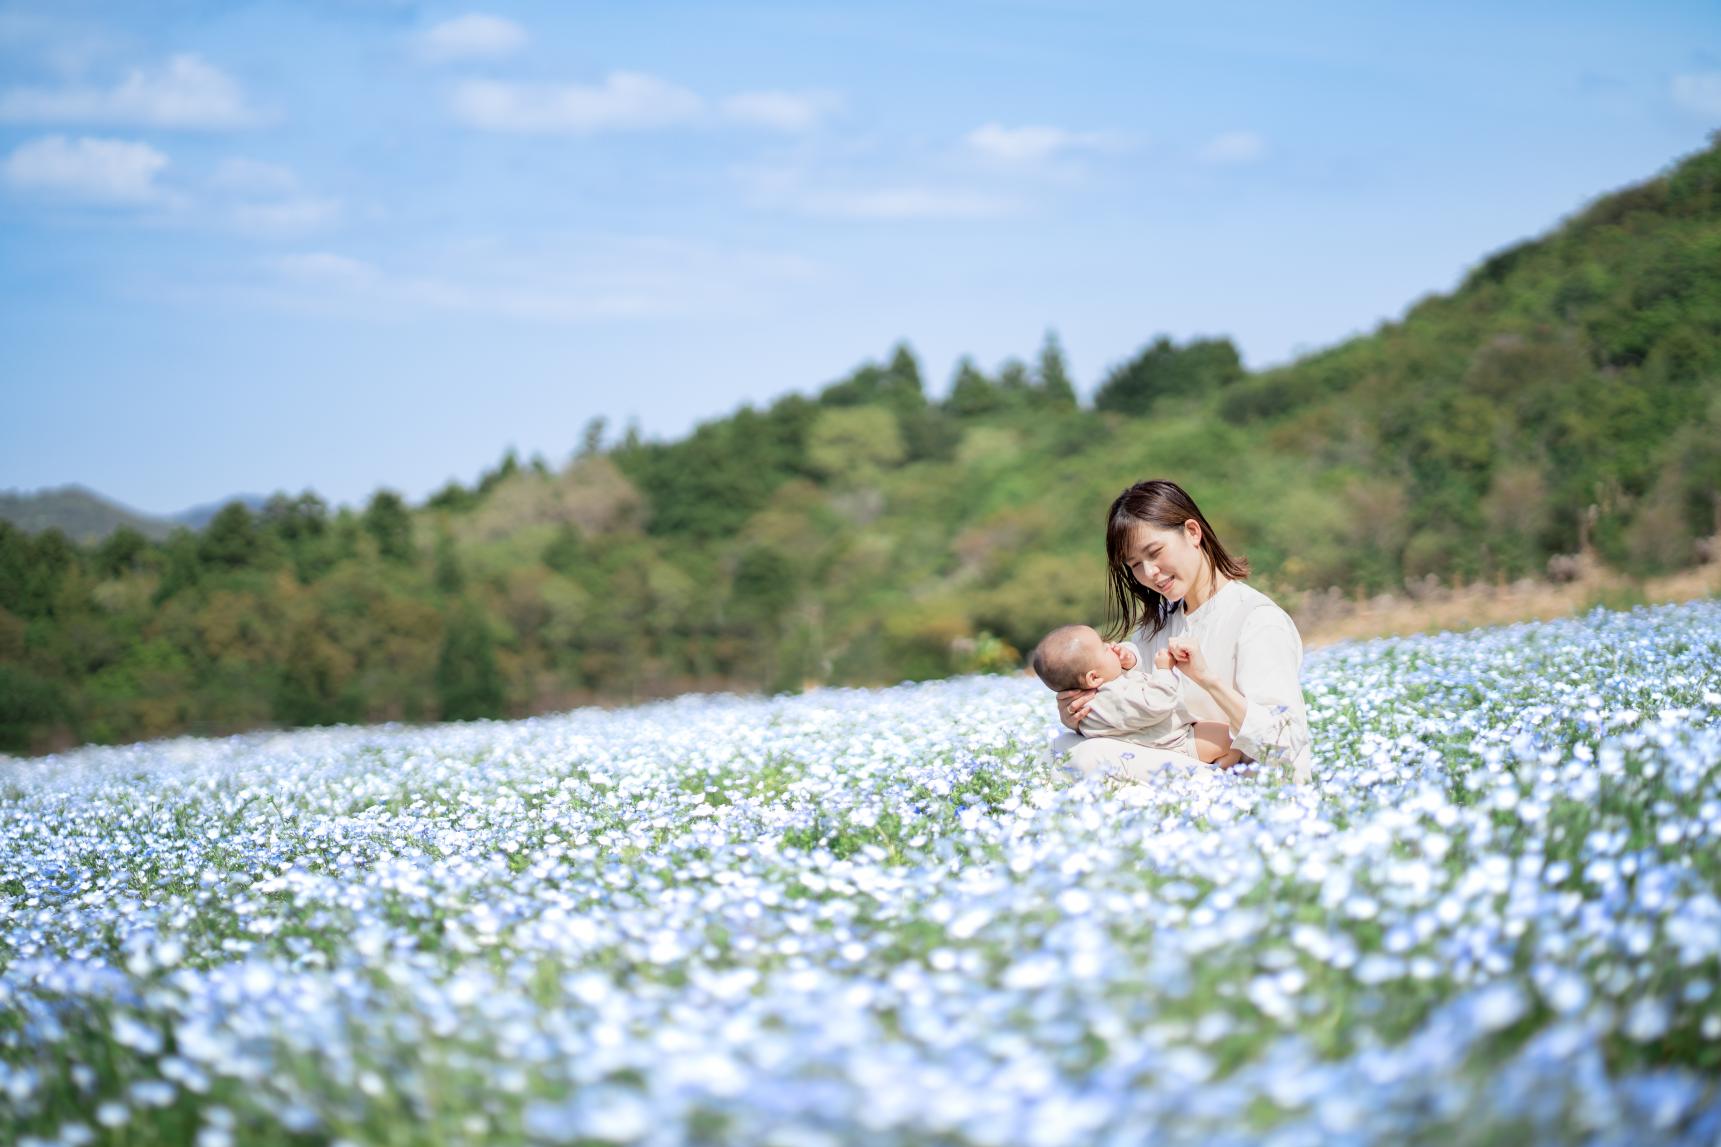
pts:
pixel 1138 700
pixel 1275 728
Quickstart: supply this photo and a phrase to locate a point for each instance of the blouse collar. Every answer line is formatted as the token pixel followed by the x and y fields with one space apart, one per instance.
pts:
pixel 1206 607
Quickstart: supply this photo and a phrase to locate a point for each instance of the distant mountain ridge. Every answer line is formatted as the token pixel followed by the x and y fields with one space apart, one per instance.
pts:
pixel 201 515
pixel 78 512
pixel 85 516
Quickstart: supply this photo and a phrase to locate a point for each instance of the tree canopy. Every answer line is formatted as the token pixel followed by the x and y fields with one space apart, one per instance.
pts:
pixel 1566 395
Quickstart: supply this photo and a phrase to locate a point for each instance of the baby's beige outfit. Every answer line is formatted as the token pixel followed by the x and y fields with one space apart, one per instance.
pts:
pixel 1145 707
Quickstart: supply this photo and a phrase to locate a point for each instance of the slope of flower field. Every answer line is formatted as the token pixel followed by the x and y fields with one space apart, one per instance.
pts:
pixel 879 917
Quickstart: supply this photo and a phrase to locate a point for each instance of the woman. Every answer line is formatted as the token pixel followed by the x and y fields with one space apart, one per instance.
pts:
pixel 1174 585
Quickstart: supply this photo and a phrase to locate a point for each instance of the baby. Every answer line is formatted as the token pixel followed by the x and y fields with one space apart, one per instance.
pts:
pixel 1076 657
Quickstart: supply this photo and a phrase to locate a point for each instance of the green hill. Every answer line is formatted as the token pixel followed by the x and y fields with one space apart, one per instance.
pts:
pixel 1571 378
pixel 1568 392
pixel 82 515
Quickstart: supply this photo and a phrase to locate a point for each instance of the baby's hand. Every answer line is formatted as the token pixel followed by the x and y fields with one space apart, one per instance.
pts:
pixel 1125 656
pixel 1162 659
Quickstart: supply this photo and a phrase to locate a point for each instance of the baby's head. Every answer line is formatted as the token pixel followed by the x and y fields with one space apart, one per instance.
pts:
pixel 1075 657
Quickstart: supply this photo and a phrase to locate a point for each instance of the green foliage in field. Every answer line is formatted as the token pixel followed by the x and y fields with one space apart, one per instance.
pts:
pixel 1568 391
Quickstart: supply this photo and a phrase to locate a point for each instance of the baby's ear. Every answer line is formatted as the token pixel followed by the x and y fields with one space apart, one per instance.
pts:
pixel 1092 679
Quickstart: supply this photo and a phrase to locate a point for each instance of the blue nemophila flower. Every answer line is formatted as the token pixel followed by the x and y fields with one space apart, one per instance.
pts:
pixel 881 916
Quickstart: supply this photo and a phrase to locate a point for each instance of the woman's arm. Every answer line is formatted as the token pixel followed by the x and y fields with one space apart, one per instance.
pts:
pixel 1187 656
pixel 1264 705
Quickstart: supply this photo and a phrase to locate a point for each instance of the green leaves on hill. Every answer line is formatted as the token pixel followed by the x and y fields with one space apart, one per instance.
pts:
pixel 707 485
pixel 1567 394
pixel 1572 377
pixel 468 684
pixel 1163 370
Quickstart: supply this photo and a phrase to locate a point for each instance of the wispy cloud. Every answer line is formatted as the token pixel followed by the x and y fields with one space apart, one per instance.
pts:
pixel 268 200
pixel 474 36
pixel 92 170
pixel 625 101
pixel 299 215
pixel 187 93
pixel 631 101
pixel 795 189
pixel 1699 93
pixel 1032 143
pixel 566 280
pixel 1233 148
pixel 781 111
pixel 255 177
pixel 323 267
pixel 905 202
pixel 258 199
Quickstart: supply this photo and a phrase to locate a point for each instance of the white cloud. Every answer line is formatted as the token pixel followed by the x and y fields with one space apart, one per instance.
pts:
pixel 845 196
pixel 1234 147
pixel 1031 143
pixel 287 217
pixel 904 203
pixel 98 170
pixel 474 36
pixel 252 176
pixel 629 101
pixel 260 199
pixel 1699 93
pixel 625 101
pixel 268 200
pixel 324 267
pixel 780 111
pixel 187 93
pixel 554 280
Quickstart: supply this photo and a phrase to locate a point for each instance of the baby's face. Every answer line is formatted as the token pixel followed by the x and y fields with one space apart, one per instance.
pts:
pixel 1098 658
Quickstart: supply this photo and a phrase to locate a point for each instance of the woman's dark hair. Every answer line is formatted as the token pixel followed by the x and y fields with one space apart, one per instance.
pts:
pixel 1161 503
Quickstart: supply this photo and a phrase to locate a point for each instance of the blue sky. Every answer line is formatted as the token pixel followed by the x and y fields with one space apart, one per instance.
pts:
pixel 347 245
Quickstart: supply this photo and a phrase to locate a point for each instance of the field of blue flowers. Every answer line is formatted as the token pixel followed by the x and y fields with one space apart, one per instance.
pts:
pixel 881 917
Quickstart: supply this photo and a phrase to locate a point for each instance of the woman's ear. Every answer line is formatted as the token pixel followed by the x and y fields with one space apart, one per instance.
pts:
pixel 1192 531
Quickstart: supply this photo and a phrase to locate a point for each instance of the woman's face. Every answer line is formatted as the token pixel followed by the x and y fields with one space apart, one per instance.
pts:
pixel 1167 561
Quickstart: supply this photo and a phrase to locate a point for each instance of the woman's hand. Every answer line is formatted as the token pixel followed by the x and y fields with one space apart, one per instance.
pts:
pixel 1073 705
pixel 1186 655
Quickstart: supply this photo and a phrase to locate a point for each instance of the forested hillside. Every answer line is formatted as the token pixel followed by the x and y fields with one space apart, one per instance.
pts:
pixel 1567 393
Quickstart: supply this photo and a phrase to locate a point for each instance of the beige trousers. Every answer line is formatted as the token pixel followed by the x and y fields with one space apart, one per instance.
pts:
pixel 1121 762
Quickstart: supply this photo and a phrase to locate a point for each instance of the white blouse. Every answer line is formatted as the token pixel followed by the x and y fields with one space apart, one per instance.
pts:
pixel 1249 640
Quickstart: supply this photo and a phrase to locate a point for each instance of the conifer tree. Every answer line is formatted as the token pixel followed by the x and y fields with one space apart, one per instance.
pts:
pixel 387 521
pixel 230 540
pixel 1054 377
pixel 972 392
pixel 905 366
pixel 121 552
pixel 1164 369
